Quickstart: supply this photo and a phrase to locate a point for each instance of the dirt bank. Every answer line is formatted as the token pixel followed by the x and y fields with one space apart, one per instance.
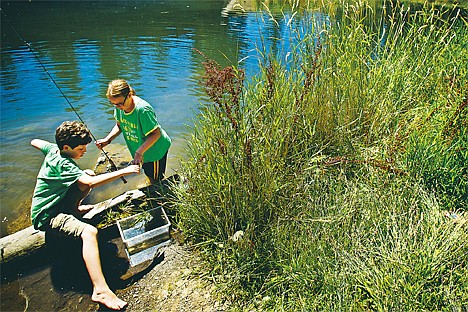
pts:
pixel 168 285
pixel 171 286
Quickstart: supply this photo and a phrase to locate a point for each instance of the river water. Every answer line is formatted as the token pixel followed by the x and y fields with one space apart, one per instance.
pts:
pixel 85 44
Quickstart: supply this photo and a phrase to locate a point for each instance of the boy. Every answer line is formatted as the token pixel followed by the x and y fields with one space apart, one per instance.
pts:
pixel 60 188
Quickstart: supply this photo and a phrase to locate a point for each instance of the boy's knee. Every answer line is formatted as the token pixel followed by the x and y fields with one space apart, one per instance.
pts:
pixel 89 232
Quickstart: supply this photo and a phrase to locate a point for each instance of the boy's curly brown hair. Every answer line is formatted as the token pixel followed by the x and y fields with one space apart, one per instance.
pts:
pixel 72 133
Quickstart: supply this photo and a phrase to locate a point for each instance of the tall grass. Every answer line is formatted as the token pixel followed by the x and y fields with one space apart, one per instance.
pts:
pixel 321 183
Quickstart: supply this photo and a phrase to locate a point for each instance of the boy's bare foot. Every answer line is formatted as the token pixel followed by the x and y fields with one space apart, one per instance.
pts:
pixel 109 299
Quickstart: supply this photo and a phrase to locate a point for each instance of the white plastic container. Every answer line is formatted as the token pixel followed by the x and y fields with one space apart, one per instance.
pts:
pixel 144 234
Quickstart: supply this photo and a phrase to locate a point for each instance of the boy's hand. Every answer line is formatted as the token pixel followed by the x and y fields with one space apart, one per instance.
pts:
pixel 89 172
pixel 132 169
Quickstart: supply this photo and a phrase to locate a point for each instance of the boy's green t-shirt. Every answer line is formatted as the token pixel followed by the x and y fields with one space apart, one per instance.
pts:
pixel 56 175
pixel 137 124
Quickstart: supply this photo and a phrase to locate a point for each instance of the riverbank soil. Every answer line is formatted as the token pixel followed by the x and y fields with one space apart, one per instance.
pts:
pixel 171 286
pixel 61 282
pixel 167 285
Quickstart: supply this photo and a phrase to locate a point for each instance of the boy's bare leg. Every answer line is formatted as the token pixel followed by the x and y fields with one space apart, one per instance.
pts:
pixel 101 291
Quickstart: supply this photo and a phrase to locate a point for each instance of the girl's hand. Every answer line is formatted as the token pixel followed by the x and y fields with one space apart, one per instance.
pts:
pixel 138 159
pixel 101 143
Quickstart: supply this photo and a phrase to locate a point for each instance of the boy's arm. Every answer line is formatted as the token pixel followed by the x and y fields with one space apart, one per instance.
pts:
pixel 98 180
pixel 38 143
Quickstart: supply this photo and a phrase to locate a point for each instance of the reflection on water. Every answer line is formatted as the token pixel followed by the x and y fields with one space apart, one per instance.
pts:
pixel 84 45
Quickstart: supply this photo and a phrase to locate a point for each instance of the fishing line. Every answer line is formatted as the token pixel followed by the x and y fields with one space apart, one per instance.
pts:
pixel 113 166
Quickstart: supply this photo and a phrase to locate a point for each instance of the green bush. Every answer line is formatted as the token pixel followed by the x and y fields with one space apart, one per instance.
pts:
pixel 321 183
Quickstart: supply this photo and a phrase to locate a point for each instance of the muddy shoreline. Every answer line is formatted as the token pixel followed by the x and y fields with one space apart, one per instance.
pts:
pixel 169 284
pixel 56 279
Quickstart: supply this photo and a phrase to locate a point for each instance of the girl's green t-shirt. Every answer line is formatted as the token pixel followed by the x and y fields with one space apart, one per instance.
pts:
pixel 56 175
pixel 137 124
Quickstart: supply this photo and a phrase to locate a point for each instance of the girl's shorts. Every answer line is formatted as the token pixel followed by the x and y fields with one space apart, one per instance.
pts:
pixel 155 170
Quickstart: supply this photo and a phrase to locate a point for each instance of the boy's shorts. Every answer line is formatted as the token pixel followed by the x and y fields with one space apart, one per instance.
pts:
pixel 66 224
pixel 66 221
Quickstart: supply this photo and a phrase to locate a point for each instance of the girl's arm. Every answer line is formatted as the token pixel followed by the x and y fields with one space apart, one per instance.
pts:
pixel 150 140
pixel 110 137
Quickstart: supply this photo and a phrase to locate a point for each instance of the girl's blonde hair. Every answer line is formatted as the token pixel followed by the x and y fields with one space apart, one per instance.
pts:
pixel 119 87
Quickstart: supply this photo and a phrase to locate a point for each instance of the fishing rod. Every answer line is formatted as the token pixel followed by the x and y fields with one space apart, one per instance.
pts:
pixel 112 164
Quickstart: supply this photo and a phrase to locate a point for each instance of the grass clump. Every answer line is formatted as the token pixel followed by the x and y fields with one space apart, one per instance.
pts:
pixel 321 183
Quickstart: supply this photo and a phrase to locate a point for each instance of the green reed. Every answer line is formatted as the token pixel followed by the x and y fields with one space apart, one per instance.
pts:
pixel 321 183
